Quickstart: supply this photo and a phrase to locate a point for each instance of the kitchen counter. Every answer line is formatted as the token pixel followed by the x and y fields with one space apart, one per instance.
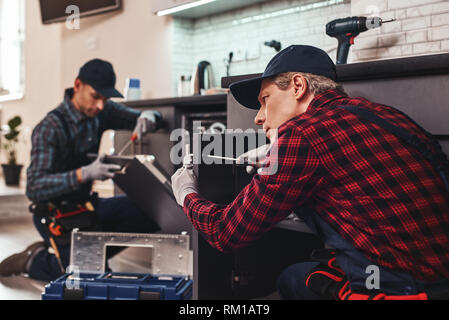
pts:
pixel 213 99
pixel 391 68
pixel 418 86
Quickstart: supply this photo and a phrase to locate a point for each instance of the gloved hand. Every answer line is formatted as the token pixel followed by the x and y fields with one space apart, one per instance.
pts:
pixel 256 156
pixel 184 182
pixel 98 170
pixel 148 121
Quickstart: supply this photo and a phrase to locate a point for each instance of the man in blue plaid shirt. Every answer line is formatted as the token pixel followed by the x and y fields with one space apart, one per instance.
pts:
pixel 61 173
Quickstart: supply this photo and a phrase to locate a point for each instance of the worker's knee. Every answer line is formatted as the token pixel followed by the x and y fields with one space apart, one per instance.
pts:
pixel 291 284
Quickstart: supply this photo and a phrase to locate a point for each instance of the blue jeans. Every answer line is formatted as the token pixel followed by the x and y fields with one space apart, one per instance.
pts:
pixel 291 282
pixel 117 214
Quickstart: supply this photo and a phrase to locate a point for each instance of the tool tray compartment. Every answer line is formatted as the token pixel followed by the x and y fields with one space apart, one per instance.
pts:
pixel 118 286
pixel 168 278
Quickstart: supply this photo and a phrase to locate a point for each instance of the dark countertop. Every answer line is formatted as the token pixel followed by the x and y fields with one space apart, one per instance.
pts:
pixel 401 67
pixel 214 99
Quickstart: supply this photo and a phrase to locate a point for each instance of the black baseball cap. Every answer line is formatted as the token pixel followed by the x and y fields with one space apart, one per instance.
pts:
pixel 101 76
pixel 296 58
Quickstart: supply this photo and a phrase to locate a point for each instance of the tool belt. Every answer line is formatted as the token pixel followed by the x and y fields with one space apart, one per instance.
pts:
pixel 330 282
pixel 63 216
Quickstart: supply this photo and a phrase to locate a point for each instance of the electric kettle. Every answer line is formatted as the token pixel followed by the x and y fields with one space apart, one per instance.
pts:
pixel 202 78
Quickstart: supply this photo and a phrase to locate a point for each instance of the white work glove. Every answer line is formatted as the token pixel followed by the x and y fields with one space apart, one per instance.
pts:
pixel 184 181
pixel 256 156
pixel 147 122
pixel 99 170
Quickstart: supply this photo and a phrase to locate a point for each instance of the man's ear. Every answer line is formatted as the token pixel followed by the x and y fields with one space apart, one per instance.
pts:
pixel 77 85
pixel 300 85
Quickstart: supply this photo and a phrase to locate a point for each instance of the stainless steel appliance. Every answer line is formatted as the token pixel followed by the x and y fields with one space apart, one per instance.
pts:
pixel 202 78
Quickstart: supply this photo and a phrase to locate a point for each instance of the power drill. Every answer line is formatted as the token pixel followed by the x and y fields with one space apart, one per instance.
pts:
pixel 345 30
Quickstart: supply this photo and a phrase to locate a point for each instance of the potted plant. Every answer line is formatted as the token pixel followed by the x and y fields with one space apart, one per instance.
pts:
pixel 11 170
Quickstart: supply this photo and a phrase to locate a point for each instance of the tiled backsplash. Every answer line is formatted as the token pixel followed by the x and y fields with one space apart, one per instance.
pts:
pixel 422 27
pixel 213 38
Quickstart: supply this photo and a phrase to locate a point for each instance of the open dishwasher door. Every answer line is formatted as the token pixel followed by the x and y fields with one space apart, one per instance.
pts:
pixel 148 185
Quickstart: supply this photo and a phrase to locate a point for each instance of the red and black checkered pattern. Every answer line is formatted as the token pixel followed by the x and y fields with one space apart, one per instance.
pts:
pixel 379 193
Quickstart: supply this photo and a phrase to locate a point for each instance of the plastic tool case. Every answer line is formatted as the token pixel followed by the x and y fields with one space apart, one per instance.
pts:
pixel 170 278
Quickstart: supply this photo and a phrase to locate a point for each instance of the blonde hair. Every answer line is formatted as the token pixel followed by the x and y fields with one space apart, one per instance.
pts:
pixel 316 84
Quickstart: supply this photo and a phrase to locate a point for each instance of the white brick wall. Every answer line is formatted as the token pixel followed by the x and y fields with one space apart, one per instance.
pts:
pixel 421 27
pixel 212 38
pixel 445 45
pixel 395 4
pixel 425 24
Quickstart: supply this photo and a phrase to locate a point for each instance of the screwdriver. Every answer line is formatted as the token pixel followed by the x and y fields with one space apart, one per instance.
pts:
pixel 57 254
pixel 236 161
pixel 132 140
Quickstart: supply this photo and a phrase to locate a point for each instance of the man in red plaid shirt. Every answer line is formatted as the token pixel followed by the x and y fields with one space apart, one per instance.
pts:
pixel 375 198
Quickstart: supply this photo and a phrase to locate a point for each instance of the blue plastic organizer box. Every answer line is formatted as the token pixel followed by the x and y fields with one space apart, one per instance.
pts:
pixel 118 286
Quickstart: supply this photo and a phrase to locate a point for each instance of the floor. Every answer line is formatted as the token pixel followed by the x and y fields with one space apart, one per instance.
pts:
pixel 17 232
pixel 15 235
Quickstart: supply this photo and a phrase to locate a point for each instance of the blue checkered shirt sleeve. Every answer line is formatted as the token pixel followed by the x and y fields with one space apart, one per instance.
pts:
pixel 43 183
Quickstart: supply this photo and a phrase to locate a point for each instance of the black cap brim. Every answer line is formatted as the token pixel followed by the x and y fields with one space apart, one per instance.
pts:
pixel 109 92
pixel 246 92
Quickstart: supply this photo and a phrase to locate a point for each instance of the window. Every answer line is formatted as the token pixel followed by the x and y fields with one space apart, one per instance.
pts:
pixel 12 36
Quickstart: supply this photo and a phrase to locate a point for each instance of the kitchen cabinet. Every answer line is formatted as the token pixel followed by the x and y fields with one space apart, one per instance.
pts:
pixel 176 113
pixel 216 275
pixel 158 5
pixel 203 10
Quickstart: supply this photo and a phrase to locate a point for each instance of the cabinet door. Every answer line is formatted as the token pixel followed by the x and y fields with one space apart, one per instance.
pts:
pixel 158 5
